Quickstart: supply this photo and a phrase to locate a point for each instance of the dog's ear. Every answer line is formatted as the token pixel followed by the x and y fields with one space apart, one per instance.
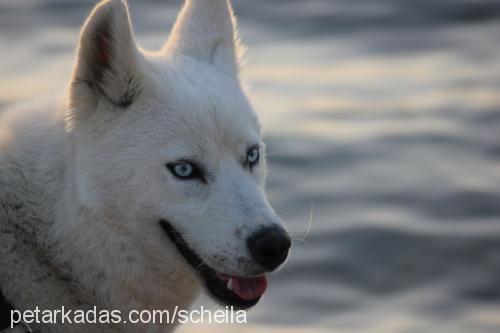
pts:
pixel 206 30
pixel 109 61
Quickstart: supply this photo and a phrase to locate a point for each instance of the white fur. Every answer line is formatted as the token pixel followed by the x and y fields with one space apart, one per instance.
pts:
pixel 83 185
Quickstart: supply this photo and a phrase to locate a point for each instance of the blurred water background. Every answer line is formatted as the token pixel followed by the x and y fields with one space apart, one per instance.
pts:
pixel 382 120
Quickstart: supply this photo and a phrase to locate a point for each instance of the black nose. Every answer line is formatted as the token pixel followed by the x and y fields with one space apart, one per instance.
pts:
pixel 269 246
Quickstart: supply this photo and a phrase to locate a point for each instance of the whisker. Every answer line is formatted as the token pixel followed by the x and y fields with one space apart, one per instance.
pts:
pixel 273 152
pixel 302 236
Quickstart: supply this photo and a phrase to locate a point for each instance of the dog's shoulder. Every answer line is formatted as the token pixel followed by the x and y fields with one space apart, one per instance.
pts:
pixel 25 134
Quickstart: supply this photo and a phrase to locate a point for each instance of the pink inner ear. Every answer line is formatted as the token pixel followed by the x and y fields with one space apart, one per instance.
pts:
pixel 103 55
pixel 103 42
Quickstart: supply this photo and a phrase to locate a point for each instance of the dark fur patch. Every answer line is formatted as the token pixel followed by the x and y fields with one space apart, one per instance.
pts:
pixel 132 90
pixel 5 308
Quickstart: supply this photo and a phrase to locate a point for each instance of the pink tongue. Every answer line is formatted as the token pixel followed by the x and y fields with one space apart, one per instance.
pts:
pixel 249 288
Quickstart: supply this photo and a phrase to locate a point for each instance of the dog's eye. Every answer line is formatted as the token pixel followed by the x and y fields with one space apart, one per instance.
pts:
pixel 253 156
pixel 185 170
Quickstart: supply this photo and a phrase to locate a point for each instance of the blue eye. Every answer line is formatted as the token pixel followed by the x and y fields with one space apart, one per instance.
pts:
pixel 253 156
pixel 187 170
pixel 183 170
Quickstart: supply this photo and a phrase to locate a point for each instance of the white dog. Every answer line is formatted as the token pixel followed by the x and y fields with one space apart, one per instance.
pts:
pixel 147 185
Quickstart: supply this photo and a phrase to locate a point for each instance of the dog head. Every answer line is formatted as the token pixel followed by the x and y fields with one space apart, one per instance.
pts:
pixel 167 149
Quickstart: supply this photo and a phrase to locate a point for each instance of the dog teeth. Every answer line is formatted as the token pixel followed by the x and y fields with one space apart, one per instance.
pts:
pixel 229 284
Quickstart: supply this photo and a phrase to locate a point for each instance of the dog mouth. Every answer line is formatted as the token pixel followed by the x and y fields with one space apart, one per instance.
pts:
pixel 239 292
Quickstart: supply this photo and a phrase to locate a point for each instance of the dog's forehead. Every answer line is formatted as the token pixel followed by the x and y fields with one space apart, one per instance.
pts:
pixel 198 103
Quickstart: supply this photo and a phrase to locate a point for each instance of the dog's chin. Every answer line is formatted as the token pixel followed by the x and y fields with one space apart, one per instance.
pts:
pixel 239 292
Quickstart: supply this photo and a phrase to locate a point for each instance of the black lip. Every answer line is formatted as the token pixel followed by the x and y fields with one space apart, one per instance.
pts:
pixel 215 286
